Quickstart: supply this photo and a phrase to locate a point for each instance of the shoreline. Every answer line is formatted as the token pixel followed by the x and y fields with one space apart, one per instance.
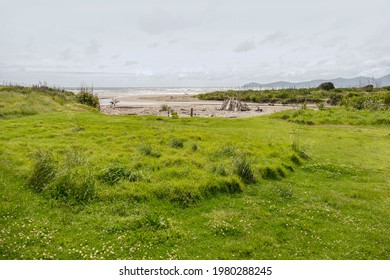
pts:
pixel 182 105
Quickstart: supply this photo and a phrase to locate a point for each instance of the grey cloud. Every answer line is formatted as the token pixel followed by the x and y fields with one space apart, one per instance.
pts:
pixel 191 42
pixel 161 21
pixel 174 41
pixel 246 46
pixel 92 48
pixel 130 63
pixel 154 45
pixel 276 37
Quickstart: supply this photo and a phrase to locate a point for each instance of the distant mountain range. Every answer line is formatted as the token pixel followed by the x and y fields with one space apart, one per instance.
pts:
pixel 339 82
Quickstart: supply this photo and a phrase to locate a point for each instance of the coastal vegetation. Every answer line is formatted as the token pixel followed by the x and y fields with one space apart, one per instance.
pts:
pixel 300 184
pixel 369 98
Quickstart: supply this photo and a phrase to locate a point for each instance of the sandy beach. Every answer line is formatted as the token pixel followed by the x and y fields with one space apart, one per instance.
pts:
pixel 182 104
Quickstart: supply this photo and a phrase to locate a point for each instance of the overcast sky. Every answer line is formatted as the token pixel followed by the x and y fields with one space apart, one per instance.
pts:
pixel 191 43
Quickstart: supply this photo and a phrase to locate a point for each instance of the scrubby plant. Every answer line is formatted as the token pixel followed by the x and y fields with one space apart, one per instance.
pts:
pixel 86 96
pixel 364 102
pixel 321 106
pixel 386 100
pixel 335 98
pixel 165 107
pixel 88 99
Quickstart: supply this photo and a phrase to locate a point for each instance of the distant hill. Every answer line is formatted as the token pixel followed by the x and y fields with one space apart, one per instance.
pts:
pixel 339 82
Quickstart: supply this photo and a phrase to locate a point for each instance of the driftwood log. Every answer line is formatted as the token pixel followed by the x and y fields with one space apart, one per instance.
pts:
pixel 234 104
pixel 114 101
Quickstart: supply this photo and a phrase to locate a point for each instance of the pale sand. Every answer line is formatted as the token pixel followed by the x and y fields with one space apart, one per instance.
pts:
pixel 182 104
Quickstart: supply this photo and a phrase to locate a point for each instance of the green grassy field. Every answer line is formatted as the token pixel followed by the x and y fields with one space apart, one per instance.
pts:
pixel 76 184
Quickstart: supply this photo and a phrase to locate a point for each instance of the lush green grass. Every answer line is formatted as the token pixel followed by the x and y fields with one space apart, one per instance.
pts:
pixel 81 185
pixel 339 115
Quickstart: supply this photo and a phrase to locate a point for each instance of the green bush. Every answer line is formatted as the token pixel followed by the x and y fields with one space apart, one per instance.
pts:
pixel 327 86
pixel 88 98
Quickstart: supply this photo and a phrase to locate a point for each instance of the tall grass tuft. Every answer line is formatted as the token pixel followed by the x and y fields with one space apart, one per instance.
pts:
pixel 75 185
pixel 272 172
pixel 115 173
pixel 242 168
pixel 219 170
pixel 70 180
pixel 296 146
pixel 147 150
pixel 44 170
pixel 177 143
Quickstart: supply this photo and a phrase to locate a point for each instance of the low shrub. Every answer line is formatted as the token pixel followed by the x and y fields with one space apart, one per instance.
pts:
pixel 335 98
pixel 88 98
pixel 165 107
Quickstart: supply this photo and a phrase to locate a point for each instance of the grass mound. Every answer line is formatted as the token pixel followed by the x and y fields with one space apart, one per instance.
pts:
pixel 17 101
pixel 114 187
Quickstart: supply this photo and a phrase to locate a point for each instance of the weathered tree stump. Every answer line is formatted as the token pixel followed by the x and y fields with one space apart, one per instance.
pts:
pixel 234 104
